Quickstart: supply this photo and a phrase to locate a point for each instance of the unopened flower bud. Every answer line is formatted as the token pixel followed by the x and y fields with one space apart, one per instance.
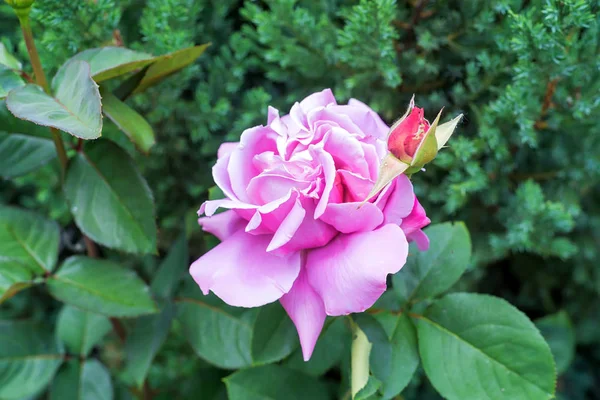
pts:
pixel 21 7
pixel 20 3
pixel 412 143
pixel 407 134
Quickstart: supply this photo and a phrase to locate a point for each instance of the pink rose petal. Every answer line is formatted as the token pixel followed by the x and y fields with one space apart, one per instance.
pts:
pixel 288 227
pixel 268 217
pixel 349 218
pixel 368 120
pixel 226 148
pixel 346 151
pixel 319 99
pixel 266 188
pixel 305 308
pixel 211 206
pixel 222 225
pixel 401 201
pixel 416 219
pixel 240 168
pixel 357 187
pixel 221 176
pixel 242 273
pixel 312 233
pixel 328 164
pixel 420 238
pixel 350 273
pixel 336 120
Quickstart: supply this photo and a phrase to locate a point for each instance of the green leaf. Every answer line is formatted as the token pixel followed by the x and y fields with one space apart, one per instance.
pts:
pixel 101 286
pixel 82 380
pixel 29 357
pixel 171 269
pixel 137 129
pixel 8 81
pixel 81 330
pixel 126 88
pixel 476 346
pixel 369 390
pixel 24 146
pixel 206 385
pixel 110 201
pixel 20 154
pixel 272 382
pixel 14 277
pixel 122 392
pixel 558 332
pixel 405 353
pixel 169 64
pixel 110 62
pixel 144 341
pixel 219 334
pixel 10 124
pixel 274 336
pixel 75 109
pixel 29 239
pixel 432 272
pixel 8 59
pixel 333 341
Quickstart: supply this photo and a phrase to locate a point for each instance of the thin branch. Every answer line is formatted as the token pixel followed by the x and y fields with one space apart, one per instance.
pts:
pixel 418 12
pixel 424 87
pixel 550 89
pixel 41 80
pixel 374 311
pixel 536 176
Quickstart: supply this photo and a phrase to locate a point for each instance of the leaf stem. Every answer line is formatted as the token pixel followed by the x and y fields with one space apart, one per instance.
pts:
pixel 90 246
pixel 415 315
pixel 41 80
pixel 147 391
pixel 119 329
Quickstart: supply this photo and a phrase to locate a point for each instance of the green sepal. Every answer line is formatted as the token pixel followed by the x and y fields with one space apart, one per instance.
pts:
pixel 389 170
pixel 428 148
pixel 21 7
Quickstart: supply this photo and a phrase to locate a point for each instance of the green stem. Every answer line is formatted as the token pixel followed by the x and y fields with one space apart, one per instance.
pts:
pixel 60 148
pixel 359 363
pixel 40 79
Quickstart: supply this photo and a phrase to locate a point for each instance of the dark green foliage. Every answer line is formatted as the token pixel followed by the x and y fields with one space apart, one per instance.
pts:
pixel 70 27
pixel 522 171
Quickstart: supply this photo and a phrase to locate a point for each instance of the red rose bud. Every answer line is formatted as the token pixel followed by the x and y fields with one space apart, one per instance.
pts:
pixel 412 143
pixel 407 134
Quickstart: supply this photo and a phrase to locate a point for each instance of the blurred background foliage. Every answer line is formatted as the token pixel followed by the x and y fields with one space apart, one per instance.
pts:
pixel 522 170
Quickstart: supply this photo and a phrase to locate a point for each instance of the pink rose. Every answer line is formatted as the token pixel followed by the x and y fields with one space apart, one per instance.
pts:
pixel 294 231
